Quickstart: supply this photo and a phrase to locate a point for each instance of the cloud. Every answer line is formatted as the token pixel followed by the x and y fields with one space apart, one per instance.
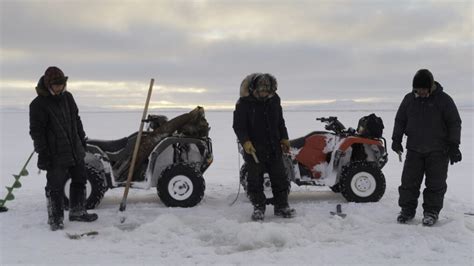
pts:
pixel 199 51
pixel 280 21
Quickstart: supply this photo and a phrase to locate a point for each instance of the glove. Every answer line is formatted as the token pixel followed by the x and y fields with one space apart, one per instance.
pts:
pixel 44 161
pixel 248 147
pixel 397 147
pixel 454 154
pixel 285 145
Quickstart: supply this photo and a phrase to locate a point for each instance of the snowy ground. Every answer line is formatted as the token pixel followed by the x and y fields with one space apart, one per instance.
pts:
pixel 216 233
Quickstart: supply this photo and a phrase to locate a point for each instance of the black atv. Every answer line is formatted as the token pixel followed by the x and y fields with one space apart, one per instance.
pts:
pixel 175 165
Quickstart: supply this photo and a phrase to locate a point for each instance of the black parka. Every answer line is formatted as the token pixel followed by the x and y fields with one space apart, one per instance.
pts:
pixel 262 123
pixel 56 127
pixel 431 124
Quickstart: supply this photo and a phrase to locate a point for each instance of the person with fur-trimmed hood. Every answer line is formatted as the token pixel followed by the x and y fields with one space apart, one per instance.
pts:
pixel 261 130
pixel 59 139
pixel 430 119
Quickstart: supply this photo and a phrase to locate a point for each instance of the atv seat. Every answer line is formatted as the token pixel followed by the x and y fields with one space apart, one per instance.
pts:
pixel 299 142
pixel 109 145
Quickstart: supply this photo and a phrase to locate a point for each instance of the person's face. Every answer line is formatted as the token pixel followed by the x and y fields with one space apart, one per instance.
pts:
pixel 262 94
pixel 57 88
pixel 263 88
pixel 422 92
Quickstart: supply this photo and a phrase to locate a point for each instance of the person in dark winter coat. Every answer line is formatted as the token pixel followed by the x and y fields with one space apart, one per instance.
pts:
pixel 429 118
pixel 260 129
pixel 59 139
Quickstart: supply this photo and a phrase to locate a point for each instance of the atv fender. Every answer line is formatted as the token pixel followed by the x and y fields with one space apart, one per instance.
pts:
pixel 349 141
pixel 163 155
pixel 374 148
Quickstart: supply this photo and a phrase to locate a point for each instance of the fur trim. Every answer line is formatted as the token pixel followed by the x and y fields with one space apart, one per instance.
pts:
pixel 244 86
pixel 41 89
pixel 248 80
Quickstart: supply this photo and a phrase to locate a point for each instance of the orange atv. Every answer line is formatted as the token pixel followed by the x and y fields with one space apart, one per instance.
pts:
pixel 348 161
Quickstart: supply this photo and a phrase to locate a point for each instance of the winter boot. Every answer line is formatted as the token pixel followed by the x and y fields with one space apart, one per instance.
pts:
pixel 77 209
pixel 258 213
pixel 281 207
pixel 258 202
pixel 429 218
pixel 284 211
pixel 405 216
pixel 54 201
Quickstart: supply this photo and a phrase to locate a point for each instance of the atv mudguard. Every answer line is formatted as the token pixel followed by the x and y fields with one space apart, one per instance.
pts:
pixel 197 151
pixel 375 149
pixel 314 152
pixel 98 159
pixel 349 141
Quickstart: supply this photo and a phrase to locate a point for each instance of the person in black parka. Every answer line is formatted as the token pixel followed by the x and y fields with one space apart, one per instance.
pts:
pixel 59 139
pixel 260 129
pixel 430 120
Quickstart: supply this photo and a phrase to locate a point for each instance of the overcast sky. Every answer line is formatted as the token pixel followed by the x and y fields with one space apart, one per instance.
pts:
pixel 199 51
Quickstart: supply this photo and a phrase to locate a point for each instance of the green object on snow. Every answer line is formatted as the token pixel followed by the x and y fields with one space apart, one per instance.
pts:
pixel 16 184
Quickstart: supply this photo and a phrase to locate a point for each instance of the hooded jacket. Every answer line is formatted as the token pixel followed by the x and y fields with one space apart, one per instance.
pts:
pixel 260 121
pixel 56 127
pixel 431 124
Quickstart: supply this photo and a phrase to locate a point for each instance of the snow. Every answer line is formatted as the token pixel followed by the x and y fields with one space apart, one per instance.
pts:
pixel 215 232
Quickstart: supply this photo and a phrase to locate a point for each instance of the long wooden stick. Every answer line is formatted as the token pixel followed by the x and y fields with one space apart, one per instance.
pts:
pixel 123 204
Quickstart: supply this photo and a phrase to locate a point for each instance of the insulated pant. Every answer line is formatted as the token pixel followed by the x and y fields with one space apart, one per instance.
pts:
pixel 57 175
pixel 434 165
pixel 278 178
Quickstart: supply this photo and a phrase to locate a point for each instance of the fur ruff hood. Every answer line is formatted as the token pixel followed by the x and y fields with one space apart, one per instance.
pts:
pixel 250 79
pixel 42 90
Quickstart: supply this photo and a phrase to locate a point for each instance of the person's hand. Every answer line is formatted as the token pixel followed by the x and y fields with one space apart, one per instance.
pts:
pixel 454 154
pixel 285 145
pixel 248 147
pixel 44 161
pixel 397 147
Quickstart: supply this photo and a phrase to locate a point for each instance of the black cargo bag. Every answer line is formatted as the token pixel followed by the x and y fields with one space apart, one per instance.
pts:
pixel 370 126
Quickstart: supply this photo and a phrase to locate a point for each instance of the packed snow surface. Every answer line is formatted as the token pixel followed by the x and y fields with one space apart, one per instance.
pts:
pixel 214 232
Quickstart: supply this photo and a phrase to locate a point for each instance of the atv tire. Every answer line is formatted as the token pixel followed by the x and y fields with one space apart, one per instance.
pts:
pixel 181 185
pixel 243 176
pixel 95 186
pixel 362 182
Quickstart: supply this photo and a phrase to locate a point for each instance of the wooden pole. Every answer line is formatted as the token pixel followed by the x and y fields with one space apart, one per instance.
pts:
pixel 123 204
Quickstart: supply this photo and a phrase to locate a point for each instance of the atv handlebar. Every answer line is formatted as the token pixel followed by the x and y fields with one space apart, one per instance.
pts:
pixel 333 124
pixel 327 119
